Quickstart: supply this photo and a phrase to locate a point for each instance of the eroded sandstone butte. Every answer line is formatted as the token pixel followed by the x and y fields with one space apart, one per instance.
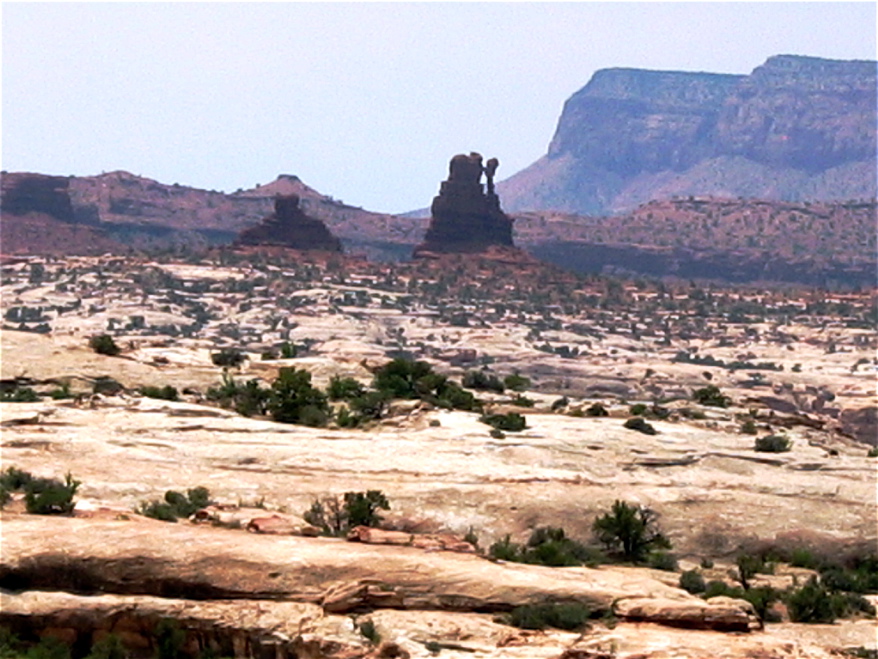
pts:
pixel 290 227
pixel 465 217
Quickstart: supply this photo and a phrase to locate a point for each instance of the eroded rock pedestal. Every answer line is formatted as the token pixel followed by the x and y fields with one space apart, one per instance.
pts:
pixel 290 227
pixel 465 217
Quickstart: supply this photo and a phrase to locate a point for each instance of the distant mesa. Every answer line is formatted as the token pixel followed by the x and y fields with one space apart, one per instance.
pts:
pixel 24 193
pixel 290 227
pixel 464 217
pixel 795 129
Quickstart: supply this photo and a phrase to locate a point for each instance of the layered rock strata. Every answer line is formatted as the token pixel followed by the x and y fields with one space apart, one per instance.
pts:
pixel 465 217
pixel 796 128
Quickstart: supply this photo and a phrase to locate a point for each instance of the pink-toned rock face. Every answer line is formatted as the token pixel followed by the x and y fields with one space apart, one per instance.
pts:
pixel 783 132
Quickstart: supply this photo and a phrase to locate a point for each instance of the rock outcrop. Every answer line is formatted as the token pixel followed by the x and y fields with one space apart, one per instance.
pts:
pixel 290 227
pixel 24 193
pixel 796 128
pixel 465 217
pixel 39 217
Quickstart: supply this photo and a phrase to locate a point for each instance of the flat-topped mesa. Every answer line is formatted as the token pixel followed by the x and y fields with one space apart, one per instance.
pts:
pixel 466 218
pixel 290 227
pixel 24 193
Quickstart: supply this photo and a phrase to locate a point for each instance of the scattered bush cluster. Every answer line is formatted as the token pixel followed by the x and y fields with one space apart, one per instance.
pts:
pixel 42 496
pixel 509 422
pixel 404 378
pixel 176 505
pixel 628 533
pixel 546 546
pixel 19 395
pixel 335 517
pixel 483 381
pixel 292 398
pixel 568 616
pixel 162 393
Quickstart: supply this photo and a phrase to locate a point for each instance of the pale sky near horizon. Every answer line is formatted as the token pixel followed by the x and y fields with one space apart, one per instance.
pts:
pixel 366 101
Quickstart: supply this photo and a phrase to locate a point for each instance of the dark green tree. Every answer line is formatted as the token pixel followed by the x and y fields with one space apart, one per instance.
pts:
pixel 294 400
pixel 630 532
pixel 104 344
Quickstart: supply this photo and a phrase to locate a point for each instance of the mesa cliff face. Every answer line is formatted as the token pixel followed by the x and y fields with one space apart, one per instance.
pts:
pixel 796 128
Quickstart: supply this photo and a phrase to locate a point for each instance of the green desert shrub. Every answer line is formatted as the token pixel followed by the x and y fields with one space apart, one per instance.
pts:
pixel 404 378
pixel 516 382
pixel 859 577
pixel 47 496
pixel 772 444
pixel 804 557
pixel 228 358
pixel 19 395
pixel 247 399
pixel 62 392
pixel 292 399
pixel 483 381
pixel 505 550
pixel 166 392
pixel 551 546
pixel 711 396
pixel 717 588
pixel 748 427
pixel 630 532
pixel 692 582
pixel 546 546
pixel 662 560
pixel 335 517
pixel 176 505
pixel 344 388
pixel 509 422
pixel 762 597
pixel 109 647
pixel 640 424
pixel 812 603
pixel 103 344
pixel 369 631
pixel 169 639
pixel 638 409
pixel 597 409
pixel 567 616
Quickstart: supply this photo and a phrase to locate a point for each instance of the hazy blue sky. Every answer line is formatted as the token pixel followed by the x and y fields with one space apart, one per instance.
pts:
pixel 365 101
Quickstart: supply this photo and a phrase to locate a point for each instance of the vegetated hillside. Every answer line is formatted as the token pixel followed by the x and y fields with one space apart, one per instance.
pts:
pixel 796 128
pixel 732 239
pixel 133 212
